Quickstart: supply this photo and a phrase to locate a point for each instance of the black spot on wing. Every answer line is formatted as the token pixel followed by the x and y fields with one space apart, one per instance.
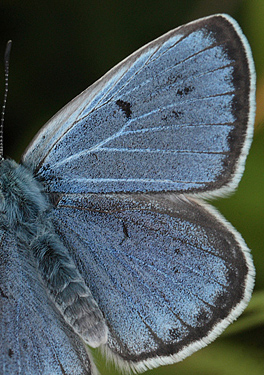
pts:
pixel 125 230
pixel 2 294
pixel 177 114
pixel 125 233
pixel 125 106
pixel 184 91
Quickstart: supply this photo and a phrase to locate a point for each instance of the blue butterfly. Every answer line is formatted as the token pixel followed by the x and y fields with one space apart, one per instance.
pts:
pixel 105 237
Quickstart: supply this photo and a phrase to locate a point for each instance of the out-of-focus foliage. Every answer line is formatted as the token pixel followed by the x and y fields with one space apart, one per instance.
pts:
pixel 61 47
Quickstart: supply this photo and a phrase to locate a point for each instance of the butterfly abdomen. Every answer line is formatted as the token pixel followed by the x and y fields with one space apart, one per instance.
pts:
pixel 25 211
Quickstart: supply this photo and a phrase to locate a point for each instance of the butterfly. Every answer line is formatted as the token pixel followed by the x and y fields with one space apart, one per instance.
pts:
pixel 106 240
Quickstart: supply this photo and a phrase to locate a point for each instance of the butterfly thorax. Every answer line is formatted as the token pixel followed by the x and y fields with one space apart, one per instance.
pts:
pixel 21 200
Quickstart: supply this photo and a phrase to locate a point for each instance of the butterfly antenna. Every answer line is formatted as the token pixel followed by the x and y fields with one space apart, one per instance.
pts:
pixel 6 62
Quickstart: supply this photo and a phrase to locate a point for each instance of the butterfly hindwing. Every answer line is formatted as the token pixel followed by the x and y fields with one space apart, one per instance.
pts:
pixel 175 115
pixel 168 272
pixel 34 338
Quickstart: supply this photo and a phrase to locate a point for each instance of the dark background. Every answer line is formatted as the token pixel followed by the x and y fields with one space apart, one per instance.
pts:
pixel 61 47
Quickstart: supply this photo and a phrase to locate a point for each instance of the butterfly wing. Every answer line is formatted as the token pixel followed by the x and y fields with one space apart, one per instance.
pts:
pixel 169 274
pixel 34 338
pixel 175 115
pixel 167 271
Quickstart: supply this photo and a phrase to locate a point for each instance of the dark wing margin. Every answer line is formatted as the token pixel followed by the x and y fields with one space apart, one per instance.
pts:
pixel 169 273
pixel 34 338
pixel 177 115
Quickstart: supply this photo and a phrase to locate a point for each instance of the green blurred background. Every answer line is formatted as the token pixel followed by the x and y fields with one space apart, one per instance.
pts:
pixel 61 47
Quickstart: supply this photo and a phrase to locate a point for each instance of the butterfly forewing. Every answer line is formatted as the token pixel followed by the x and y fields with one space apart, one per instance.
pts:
pixel 176 115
